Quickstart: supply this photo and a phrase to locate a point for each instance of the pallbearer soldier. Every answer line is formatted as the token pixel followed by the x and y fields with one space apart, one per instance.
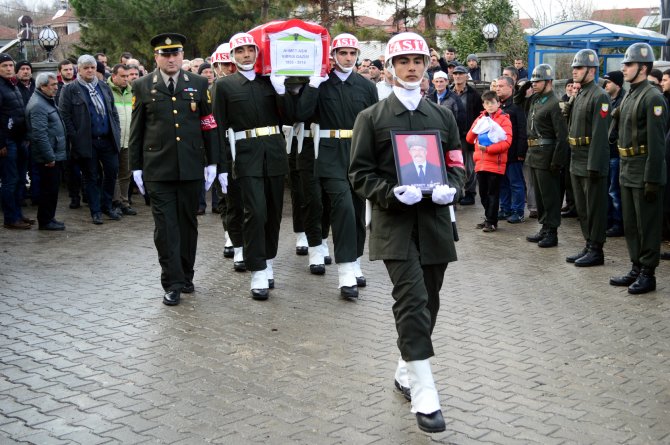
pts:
pixel 249 107
pixel 588 138
pixel 173 136
pixel 547 152
pixel 412 234
pixel 642 119
pixel 334 102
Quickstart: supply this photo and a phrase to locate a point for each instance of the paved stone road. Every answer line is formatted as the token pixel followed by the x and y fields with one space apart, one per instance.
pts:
pixel 529 348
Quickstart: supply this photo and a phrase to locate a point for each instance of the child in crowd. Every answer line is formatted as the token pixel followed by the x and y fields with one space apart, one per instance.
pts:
pixel 491 133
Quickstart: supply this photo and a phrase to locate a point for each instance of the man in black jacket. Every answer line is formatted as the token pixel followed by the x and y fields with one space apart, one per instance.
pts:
pixel 13 146
pixel 513 187
pixel 472 102
pixel 614 87
pixel 93 128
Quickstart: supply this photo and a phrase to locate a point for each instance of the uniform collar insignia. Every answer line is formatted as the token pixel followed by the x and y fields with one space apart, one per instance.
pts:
pixel 185 77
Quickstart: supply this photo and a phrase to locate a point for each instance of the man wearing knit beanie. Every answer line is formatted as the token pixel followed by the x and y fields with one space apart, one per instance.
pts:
pixel 24 74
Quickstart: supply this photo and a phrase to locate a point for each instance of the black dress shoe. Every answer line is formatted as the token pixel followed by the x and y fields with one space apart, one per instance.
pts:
pixel 271 283
pixel 646 282
pixel 228 252
pixel 58 222
pixel 28 220
pixel 112 214
pixel 431 423
pixel 594 257
pixel 301 250
pixel 317 269
pixel 327 260
pixel 404 391
pixel 467 200
pixel 349 291
pixel 569 214
pixel 128 211
pixel 537 237
pixel 260 294
pixel 52 226
pixel 549 240
pixel 614 231
pixel 626 280
pixel 96 219
pixel 189 288
pixel 239 266
pixel 361 282
pixel 665 255
pixel 171 298
pixel 575 257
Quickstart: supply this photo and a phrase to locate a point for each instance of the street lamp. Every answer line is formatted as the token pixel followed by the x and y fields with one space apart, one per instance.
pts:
pixel 48 40
pixel 490 32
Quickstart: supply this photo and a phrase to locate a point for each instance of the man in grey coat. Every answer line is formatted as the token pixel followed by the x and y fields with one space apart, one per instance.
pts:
pixel 46 132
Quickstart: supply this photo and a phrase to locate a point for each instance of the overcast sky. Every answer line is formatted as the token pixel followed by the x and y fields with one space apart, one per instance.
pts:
pixel 526 7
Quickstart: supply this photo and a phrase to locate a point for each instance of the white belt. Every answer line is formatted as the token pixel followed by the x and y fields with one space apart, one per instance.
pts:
pixel 338 134
pixel 307 133
pixel 256 132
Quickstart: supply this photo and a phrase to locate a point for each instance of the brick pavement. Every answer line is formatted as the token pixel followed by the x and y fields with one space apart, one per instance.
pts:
pixel 529 348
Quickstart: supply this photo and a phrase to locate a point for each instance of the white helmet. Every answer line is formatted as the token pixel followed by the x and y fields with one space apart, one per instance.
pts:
pixel 242 39
pixel 402 44
pixel 344 41
pixel 221 54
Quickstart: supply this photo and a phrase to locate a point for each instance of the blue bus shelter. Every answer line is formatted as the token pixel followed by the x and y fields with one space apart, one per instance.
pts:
pixel 566 38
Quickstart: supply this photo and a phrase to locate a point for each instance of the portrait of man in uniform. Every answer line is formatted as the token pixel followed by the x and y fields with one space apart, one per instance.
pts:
pixel 418 160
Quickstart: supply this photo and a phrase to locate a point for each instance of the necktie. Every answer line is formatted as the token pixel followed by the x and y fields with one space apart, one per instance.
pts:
pixel 422 176
pixel 171 85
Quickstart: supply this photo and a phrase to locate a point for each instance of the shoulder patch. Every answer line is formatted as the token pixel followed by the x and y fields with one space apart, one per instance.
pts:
pixel 604 108
pixel 658 110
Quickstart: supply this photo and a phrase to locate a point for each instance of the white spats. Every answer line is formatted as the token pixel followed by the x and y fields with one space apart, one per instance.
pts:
pixel 425 399
pixel 259 279
pixel 346 274
pixel 316 255
pixel 239 254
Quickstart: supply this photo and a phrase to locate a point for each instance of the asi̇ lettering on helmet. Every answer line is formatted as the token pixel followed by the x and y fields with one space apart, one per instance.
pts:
pixel 403 44
pixel 242 39
pixel 222 54
pixel 344 41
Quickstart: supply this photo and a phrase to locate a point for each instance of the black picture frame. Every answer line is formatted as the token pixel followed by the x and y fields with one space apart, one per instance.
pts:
pixel 408 173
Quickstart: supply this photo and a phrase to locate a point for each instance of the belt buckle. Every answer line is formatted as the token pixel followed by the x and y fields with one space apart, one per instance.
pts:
pixel 346 134
pixel 263 131
pixel 248 134
pixel 334 133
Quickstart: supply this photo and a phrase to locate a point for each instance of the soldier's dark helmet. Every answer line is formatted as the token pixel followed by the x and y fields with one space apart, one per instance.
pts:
pixel 639 53
pixel 585 57
pixel 542 72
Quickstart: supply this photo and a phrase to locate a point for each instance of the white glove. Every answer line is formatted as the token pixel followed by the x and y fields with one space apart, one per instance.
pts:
pixel 210 176
pixel 223 179
pixel 278 83
pixel 137 177
pixel 407 194
pixel 315 81
pixel 443 194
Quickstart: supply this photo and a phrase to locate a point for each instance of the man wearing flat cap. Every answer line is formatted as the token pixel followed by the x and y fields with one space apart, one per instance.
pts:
pixel 173 145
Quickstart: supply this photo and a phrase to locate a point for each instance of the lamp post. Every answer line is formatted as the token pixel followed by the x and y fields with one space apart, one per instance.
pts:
pixel 490 32
pixel 48 40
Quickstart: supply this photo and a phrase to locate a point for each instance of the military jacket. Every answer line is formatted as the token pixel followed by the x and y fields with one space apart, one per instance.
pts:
pixel 590 118
pixel 373 175
pixel 243 104
pixel 545 121
pixel 334 106
pixel 648 118
pixel 172 137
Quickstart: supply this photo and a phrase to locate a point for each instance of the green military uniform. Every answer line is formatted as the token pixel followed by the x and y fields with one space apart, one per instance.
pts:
pixel 335 105
pixel 547 155
pixel 260 161
pixel 589 165
pixel 416 242
pixel 172 138
pixel 642 121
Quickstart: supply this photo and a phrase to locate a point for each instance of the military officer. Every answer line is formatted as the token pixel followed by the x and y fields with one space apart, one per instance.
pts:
pixel 334 102
pixel 642 119
pixel 249 106
pixel 589 165
pixel 412 234
pixel 173 137
pixel 547 151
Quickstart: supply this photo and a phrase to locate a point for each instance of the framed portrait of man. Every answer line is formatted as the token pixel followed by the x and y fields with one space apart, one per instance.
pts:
pixel 418 159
